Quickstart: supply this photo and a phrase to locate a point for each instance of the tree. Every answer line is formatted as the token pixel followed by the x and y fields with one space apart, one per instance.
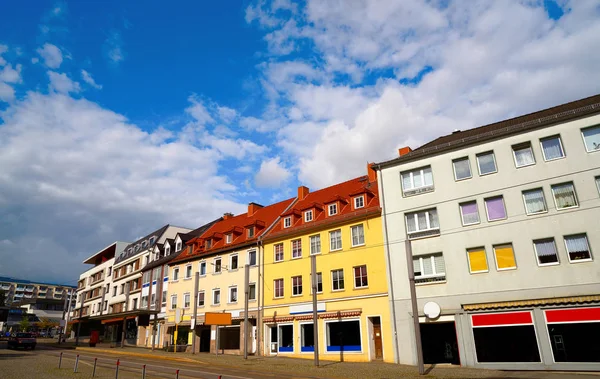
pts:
pixel 24 324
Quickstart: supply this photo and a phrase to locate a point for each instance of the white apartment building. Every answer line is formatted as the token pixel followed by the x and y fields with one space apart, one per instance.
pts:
pixel 503 221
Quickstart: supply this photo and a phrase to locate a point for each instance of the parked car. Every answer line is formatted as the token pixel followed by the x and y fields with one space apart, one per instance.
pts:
pixel 24 340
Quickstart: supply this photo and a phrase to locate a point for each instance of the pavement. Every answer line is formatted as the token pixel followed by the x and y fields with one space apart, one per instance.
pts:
pixel 43 363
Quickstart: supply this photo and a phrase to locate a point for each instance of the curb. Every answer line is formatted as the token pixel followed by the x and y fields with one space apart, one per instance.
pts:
pixel 139 355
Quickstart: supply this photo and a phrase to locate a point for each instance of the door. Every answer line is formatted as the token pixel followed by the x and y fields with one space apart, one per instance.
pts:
pixel 377 341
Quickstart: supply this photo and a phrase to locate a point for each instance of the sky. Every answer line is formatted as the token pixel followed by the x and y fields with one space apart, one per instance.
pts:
pixel 119 117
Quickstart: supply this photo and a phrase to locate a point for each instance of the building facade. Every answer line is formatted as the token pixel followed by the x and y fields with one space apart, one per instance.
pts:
pixel 18 290
pixel 340 226
pixel 502 222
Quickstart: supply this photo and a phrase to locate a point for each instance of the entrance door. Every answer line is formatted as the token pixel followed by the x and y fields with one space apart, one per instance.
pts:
pixel 205 340
pixel 273 340
pixel 376 321
pixel 439 343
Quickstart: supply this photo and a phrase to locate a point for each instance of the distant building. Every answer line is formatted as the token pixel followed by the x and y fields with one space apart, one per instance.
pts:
pixel 18 290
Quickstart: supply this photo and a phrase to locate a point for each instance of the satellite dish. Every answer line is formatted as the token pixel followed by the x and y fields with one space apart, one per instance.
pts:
pixel 432 310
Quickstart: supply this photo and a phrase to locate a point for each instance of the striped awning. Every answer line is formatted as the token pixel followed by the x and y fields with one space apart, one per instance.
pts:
pixel 533 303
pixel 328 315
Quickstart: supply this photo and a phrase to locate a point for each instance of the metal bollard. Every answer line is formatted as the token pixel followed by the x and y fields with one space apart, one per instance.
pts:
pixel 60 359
pixel 117 370
pixel 177 374
pixel 95 362
pixel 143 371
pixel 76 363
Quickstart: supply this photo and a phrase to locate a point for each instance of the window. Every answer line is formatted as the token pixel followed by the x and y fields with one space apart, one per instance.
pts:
pixel 552 148
pixel 417 181
pixel 278 252
pixel 178 246
pixel 319 283
pixel 201 298
pixel 216 296
pixel 202 268
pixel 591 138
pixel 423 223
pixel 173 301
pixel 578 248
pixel 252 291
pixel 598 183
pixel 477 258
pixel 545 251
pixel 564 195
pixel 176 273
pixel 429 268
pixel 164 299
pixel 469 213
pixel 343 336
pixel 359 202
pixel 535 202
pixel 135 304
pixel 208 244
pixel 358 235
pixel 315 244
pixel 109 271
pixel 167 250
pixel 335 240
pixel 337 280
pixel 188 271
pixel 146 277
pixel 287 222
pixel 115 291
pixel 233 262
pixel 278 288
pixel 296 248
pixel 462 168
pixel 228 238
pixel 523 154
pixel 360 277
pixel 495 208
pixel 308 216
pixel 332 209
pixel 252 257
pixel 250 231
pixel 296 285
pixel 486 162
pixel 186 300
pixel 505 257
pixel 122 288
pixel 217 265
pixel 233 294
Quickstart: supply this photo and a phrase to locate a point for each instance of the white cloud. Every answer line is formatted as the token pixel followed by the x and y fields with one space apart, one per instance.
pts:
pixel 3 49
pixel 271 173
pixel 114 47
pixel 51 54
pixel 87 77
pixel 35 60
pixel 7 93
pixel 10 75
pixel 198 111
pixel 226 114
pixel 62 83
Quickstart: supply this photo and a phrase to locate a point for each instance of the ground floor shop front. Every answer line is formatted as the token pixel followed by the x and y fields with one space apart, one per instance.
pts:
pixel 353 330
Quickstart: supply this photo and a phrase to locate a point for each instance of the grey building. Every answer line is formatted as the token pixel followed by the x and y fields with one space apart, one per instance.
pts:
pixel 18 290
pixel 503 221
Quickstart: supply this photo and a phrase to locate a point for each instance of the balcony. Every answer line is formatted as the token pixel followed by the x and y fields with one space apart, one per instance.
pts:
pixel 28 295
pixel 29 288
pixel 5 286
pixel 58 295
pixel 18 295
pixel 20 288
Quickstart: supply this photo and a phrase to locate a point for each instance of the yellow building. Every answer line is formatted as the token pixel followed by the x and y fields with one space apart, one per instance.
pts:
pixel 341 225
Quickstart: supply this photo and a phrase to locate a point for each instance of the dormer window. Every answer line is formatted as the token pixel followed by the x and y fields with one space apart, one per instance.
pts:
pixel 137 247
pixel 130 250
pixel 359 202
pixel 151 241
pixel 144 244
pixel 228 238
pixel 208 244
pixel 287 222
pixel 250 231
pixel 308 216
pixel 332 209
pixel 167 250
pixel 178 246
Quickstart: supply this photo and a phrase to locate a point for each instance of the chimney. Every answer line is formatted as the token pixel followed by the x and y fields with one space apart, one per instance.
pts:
pixel 371 173
pixel 227 216
pixel 253 207
pixel 302 192
pixel 404 150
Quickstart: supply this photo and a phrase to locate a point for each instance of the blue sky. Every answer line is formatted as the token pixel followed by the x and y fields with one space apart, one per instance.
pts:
pixel 119 117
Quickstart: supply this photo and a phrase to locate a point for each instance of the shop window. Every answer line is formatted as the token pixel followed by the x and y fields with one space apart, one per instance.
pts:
pixel 571 332
pixel 286 338
pixel 229 338
pixel 307 338
pixel 343 336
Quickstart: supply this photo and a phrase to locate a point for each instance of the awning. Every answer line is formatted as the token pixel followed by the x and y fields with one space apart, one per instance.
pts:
pixel 328 315
pixel 118 319
pixel 533 303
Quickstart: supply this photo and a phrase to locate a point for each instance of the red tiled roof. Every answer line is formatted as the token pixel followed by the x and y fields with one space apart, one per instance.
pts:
pixel 261 219
pixel 319 200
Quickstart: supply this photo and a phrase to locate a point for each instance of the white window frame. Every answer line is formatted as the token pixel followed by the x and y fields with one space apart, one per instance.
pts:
pixel 428 220
pixel 366 276
pixel 167 250
pixel 301 286
pixel 308 216
pixel 202 263
pixel 173 304
pixel 487 213
pixel 357 227
pixel 327 333
pixel 435 274
pixel 228 238
pixel 537 257
pixel 332 280
pixel 479 166
pixel 230 291
pixel 275 288
pixel 525 202
pixel 590 259
pixel 562 148
pixel 331 240
pixel 523 146
pixel 231 262
pixel 359 199
pixel 214 291
pixel 454 168
pixel 178 246
pixel 275 252
pixel 287 222
pixel 292 246
pixel 255 258
pixel 189 300
pixel 462 219
pixel 188 268
pixel 249 292
pixel 215 265
pixel 333 207
pixel 496 257
pixel 417 190
pixel 175 274
pixel 487 263
pixel 318 273
pixel 310 239
pixel 574 194
pixel 251 232
pixel 583 138
pixel 203 298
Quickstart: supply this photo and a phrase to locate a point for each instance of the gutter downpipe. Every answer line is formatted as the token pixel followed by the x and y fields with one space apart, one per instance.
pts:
pixel 389 267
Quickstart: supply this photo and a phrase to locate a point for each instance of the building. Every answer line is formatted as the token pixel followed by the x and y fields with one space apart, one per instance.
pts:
pixel 48 313
pixel 219 256
pixel 154 290
pixel 503 225
pixel 17 290
pixel 341 226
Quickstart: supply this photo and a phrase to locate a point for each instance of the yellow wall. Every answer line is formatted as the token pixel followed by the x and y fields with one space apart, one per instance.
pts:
pixel 372 300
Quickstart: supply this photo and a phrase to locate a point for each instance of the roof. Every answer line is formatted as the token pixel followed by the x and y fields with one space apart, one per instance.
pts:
pixel 318 201
pixel 107 253
pixel 185 237
pixel 5 279
pixel 126 254
pixel 261 219
pixel 540 119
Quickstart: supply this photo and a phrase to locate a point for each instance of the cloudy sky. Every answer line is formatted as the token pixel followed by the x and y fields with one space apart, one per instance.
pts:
pixel 118 118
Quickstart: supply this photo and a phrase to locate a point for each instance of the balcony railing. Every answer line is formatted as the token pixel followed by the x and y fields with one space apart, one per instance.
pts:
pixel 28 296
pixel 20 288
pixel 5 287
